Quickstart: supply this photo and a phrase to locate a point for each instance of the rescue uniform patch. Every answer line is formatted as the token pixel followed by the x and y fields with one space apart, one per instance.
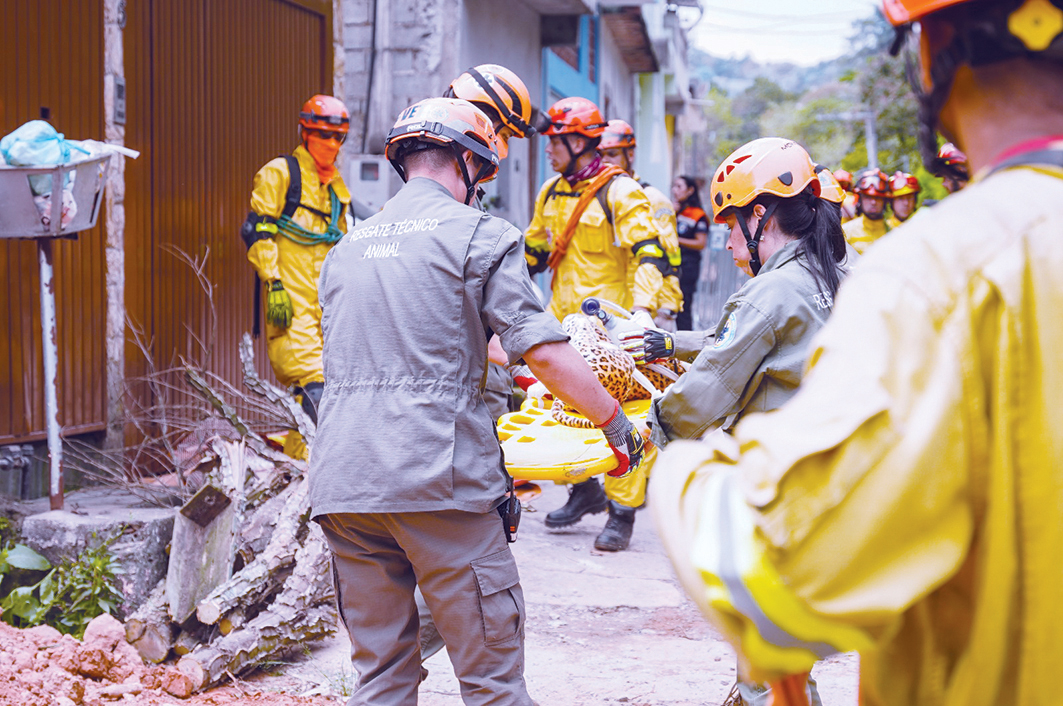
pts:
pixel 728 333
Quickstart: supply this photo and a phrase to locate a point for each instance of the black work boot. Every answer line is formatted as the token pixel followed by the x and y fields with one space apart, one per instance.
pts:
pixel 585 498
pixel 617 533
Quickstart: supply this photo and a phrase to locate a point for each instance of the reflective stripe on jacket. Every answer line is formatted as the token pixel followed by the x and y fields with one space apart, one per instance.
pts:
pixel 669 295
pixel 907 498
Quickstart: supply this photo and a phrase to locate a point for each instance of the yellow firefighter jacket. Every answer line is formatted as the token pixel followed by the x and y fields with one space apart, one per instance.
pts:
pixel 862 231
pixel 598 257
pixel 295 352
pixel 906 502
pixel 670 295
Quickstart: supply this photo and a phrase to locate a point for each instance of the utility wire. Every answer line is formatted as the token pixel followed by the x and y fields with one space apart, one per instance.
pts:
pixel 770 15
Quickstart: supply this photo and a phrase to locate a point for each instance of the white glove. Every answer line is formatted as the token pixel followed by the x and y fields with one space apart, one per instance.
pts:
pixel 665 320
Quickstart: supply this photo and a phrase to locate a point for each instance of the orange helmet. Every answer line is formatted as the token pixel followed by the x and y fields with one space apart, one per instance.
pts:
pixel 445 122
pixel 902 12
pixel 618 135
pixel 325 113
pixel 500 89
pixel 829 188
pixel 872 182
pixel 770 165
pixel 902 184
pixel 844 178
pixel 575 115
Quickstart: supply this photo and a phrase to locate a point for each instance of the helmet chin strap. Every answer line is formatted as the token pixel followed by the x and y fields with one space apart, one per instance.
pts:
pixel 753 241
pixel 470 184
pixel 572 156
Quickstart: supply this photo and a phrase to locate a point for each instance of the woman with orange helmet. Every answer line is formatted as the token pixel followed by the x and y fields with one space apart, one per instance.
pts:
pixel 298 212
pixel 788 238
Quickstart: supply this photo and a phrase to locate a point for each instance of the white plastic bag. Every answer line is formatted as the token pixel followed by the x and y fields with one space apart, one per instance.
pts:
pixel 37 144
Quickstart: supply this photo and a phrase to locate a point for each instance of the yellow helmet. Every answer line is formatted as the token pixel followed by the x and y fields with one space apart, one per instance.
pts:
pixel 770 165
pixel 902 184
pixel 830 189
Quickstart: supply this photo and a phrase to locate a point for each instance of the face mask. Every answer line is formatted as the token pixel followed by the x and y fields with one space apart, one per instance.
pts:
pixel 323 151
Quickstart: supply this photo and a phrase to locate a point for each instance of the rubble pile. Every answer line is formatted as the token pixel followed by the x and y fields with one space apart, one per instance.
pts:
pixel 42 667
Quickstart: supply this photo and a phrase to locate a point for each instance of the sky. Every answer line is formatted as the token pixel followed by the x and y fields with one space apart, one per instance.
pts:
pixel 797 31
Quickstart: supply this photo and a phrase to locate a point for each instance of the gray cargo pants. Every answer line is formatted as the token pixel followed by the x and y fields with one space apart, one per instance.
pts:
pixel 470 583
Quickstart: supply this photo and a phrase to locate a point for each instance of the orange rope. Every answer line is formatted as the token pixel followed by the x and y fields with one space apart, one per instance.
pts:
pixel 561 241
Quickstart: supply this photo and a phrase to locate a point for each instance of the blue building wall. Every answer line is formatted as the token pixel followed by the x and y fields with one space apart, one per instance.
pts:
pixel 561 80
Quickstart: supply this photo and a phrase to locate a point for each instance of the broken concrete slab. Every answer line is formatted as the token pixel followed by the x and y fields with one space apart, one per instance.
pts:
pixel 96 514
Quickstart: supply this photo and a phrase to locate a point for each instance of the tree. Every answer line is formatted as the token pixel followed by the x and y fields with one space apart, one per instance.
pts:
pixel 883 88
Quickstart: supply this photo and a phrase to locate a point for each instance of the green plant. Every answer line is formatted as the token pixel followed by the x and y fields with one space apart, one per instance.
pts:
pixel 69 596
pixel 8 531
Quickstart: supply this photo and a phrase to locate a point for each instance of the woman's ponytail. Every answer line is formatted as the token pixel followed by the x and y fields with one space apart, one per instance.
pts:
pixel 817 224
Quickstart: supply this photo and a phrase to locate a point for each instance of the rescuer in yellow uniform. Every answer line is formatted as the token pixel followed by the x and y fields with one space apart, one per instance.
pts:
pixel 618 147
pixel 904 191
pixel 298 212
pixel 590 255
pixel 872 191
pixel 848 204
pixel 592 223
pixel 905 503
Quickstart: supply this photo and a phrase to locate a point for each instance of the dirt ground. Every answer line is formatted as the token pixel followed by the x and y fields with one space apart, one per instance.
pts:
pixel 602 629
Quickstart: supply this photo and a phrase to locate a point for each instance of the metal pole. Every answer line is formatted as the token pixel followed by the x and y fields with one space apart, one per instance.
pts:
pixel 51 365
pixel 871 139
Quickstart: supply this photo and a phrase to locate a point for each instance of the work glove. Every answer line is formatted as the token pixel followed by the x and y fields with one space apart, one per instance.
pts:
pixel 278 305
pixel 658 344
pixel 536 257
pixel 526 380
pixel 626 443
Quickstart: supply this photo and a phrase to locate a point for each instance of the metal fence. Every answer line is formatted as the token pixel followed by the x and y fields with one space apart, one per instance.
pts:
pixel 719 280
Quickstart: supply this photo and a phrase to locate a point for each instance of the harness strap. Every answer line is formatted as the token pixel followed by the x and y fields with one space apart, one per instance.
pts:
pixel 561 242
pixel 295 186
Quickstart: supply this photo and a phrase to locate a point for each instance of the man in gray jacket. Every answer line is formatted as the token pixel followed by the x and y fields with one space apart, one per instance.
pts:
pixel 406 472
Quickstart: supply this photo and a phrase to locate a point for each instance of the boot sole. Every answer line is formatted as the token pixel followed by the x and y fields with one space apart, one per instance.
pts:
pixel 610 548
pixel 557 525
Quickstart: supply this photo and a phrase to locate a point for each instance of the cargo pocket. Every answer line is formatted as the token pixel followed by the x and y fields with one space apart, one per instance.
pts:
pixel 501 599
pixel 595 235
